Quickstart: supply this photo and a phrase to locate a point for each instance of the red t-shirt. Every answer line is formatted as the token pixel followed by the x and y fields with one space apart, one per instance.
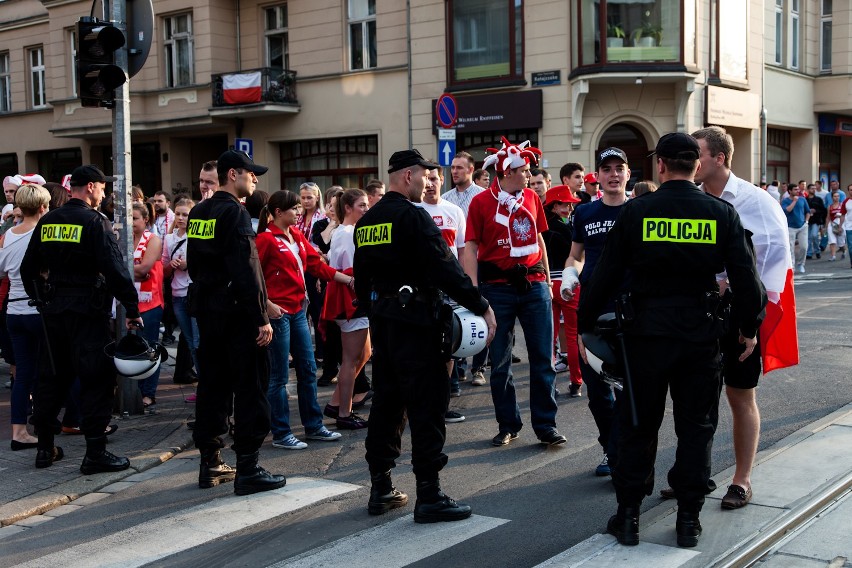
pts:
pixel 492 238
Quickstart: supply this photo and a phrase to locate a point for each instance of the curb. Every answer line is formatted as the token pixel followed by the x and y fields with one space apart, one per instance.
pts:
pixel 38 503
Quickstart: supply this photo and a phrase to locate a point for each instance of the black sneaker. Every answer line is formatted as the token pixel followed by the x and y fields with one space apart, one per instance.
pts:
pixel 503 438
pixel 574 391
pixel 351 422
pixel 451 417
pixel 553 438
pixel 445 509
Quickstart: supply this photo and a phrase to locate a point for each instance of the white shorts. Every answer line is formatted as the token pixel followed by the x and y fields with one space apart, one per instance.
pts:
pixel 355 324
pixel 839 240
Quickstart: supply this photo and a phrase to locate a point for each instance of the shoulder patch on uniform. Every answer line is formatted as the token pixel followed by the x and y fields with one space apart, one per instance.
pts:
pixel 61 233
pixel 660 229
pixel 201 229
pixel 373 235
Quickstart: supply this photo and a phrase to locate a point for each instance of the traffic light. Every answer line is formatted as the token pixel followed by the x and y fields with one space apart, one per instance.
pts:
pixel 97 74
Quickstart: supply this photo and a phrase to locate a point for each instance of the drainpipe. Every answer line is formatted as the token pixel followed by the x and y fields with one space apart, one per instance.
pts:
pixel 763 117
pixel 408 41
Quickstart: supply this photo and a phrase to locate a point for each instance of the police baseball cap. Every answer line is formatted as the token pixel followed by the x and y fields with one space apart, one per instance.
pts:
pixel 677 146
pixel 234 159
pixel 608 153
pixel 84 175
pixel 407 158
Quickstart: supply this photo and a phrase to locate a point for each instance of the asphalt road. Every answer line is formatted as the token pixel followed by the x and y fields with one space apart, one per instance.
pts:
pixel 533 502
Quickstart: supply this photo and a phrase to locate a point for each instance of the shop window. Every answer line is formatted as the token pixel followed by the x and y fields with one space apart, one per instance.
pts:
pixel 825 37
pixel 55 164
pixel 778 154
pixel 277 49
pixel 178 50
pixel 348 162
pixel 486 39
pixel 38 92
pixel 631 31
pixel 8 165
pixel 5 83
pixel 362 34
pixel 829 158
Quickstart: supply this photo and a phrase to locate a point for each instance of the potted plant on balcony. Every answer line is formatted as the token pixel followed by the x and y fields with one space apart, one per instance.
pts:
pixel 647 35
pixel 614 35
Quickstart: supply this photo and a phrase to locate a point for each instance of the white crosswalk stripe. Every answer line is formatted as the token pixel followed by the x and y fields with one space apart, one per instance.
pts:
pixel 182 530
pixel 395 544
pixel 602 551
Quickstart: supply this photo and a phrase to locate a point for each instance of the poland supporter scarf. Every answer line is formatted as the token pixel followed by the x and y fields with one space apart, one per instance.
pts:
pixel 511 213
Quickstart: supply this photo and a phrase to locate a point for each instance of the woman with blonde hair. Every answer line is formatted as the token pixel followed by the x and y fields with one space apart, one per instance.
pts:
pixel 23 321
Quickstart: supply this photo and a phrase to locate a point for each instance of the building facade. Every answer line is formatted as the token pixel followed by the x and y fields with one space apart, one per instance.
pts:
pixel 326 90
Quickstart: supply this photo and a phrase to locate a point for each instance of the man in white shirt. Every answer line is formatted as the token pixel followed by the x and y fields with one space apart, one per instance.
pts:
pixel 760 215
pixel 464 190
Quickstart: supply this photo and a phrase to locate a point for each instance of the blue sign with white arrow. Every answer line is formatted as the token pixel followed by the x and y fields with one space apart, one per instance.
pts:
pixel 446 152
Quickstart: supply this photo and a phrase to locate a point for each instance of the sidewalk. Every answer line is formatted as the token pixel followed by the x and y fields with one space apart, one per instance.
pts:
pixel 147 440
pixel 819 269
pixel 807 472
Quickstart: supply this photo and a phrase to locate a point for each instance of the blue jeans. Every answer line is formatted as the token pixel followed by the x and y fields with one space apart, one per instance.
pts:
pixel 151 320
pixel 27 338
pixel 849 246
pixel 188 328
pixel 532 309
pixel 290 334
pixel 813 239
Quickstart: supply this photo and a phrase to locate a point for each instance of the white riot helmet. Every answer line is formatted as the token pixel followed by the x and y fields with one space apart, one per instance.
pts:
pixel 134 358
pixel 601 352
pixel 470 332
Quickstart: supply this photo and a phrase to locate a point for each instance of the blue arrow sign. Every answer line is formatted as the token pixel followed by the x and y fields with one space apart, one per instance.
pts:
pixel 446 152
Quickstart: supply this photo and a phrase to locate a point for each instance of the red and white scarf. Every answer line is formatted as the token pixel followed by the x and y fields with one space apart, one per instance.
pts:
pixel 144 289
pixel 520 222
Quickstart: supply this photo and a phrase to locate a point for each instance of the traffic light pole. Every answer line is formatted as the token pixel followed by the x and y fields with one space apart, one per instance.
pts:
pixel 130 399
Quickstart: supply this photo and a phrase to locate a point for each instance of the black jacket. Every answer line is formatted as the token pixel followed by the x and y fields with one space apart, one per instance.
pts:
pixel 398 244
pixel 673 243
pixel 222 260
pixel 76 247
pixel 557 242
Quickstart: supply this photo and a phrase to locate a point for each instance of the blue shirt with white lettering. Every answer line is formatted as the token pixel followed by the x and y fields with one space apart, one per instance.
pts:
pixel 592 221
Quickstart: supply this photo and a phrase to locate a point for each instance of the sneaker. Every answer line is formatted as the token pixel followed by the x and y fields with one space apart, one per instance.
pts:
pixel 331 411
pixel 560 367
pixel 478 379
pixel 455 393
pixel 603 468
pixel 324 435
pixel 351 422
pixel 802 268
pixel 832 259
pixel 574 390
pixel 451 417
pixel 325 381
pixel 289 442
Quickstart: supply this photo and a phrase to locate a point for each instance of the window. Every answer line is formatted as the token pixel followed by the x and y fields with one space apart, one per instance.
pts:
pixel 362 34
pixel 348 162
pixel 636 31
pixel 825 38
pixel 38 95
pixel 487 38
pixel 72 49
pixel 5 83
pixel 779 32
pixel 277 50
pixel 178 44
pixel 829 158
pixel 778 154
pixel 729 40
pixel 794 34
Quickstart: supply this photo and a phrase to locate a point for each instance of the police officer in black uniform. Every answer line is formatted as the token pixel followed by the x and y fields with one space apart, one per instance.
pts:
pixel 228 299
pixel 402 265
pixel 72 269
pixel 670 245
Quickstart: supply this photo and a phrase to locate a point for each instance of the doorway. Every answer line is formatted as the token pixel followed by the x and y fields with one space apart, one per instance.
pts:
pixel 632 142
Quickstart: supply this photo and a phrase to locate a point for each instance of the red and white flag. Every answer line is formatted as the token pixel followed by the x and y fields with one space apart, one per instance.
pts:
pixel 241 88
pixel 779 339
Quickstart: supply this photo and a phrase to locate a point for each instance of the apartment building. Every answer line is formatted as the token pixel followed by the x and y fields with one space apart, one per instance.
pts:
pixel 335 86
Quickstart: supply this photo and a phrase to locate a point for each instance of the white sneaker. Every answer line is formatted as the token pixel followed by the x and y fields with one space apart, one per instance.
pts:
pixel 802 268
pixel 289 442
pixel 560 367
pixel 478 379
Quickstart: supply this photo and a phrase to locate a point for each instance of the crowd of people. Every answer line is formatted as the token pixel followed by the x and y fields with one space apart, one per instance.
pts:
pixel 261 282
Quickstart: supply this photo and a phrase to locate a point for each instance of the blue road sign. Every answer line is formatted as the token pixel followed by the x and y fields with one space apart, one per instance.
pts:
pixel 245 145
pixel 447 110
pixel 446 151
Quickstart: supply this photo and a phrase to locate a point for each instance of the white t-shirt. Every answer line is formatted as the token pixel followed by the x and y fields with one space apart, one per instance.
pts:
pixel 11 257
pixel 341 252
pixel 449 218
pixel 180 278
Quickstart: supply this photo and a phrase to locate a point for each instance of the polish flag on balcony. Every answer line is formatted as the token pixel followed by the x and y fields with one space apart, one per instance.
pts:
pixel 241 88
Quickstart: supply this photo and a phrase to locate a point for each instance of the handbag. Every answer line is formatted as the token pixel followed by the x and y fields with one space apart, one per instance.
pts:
pixel 836 228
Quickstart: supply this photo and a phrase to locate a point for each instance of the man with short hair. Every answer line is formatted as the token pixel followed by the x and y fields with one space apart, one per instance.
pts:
pixel 833 186
pixel 375 190
pixel 591 187
pixel 761 217
pixel 164 217
pixel 465 190
pixel 481 178
pixel 571 174
pixel 505 255
pixel 538 182
pixel 208 180
pixel 798 212
pixel 819 191
pixel 772 189
pixel 592 223
pixel 815 222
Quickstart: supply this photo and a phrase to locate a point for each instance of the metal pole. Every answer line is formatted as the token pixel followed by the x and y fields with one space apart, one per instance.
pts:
pixel 130 399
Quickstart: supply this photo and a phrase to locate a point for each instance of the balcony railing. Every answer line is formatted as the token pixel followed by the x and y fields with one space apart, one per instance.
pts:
pixel 254 86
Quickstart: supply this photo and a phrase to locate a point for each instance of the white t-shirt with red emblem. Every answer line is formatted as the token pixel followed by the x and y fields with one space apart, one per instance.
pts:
pixel 449 218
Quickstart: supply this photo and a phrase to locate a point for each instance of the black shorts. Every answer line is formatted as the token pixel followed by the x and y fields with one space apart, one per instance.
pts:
pixel 735 374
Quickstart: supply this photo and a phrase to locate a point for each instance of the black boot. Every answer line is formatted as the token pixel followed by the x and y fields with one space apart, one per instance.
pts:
pixel 688 528
pixel 46 457
pixel 213 470
pixel 625 525
pixel 251 478
pixel 99 460
pixel 383 495
pixel 433 506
